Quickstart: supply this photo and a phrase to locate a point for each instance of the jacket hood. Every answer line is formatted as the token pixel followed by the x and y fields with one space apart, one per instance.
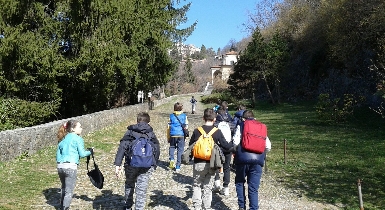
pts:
pixel 141 127
pixel 223 117
pixel 239 113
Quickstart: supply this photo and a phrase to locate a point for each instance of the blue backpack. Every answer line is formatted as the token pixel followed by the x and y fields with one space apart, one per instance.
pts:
pixel 142 153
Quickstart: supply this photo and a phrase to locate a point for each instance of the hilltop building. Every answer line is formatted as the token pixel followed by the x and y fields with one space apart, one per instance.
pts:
pixel 185 50
pixel 224 70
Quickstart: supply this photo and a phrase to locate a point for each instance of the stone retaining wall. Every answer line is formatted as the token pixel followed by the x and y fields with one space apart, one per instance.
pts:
pixel 14 143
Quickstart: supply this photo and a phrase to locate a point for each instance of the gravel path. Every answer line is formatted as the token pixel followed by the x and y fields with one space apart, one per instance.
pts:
pixel 168 189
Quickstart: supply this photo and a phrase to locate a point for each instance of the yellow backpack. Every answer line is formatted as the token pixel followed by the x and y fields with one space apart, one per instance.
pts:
pixel 204 145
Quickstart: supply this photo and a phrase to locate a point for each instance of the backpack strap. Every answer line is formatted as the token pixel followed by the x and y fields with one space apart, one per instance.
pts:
pixel 212 131
pixel 200 129
pixel 178 120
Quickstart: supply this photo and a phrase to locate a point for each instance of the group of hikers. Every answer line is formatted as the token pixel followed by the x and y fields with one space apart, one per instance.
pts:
pixel 211 148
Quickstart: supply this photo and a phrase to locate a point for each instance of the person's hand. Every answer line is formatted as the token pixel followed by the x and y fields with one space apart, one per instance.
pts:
pixel 117 171
pixel 234 148
pixel 91 149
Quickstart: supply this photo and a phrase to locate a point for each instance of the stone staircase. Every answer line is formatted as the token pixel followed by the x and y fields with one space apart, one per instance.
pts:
pixel 209 87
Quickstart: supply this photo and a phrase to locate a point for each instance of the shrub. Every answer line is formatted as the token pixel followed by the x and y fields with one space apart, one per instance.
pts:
pixel 223 96
pixel 17 113
pixel 336 110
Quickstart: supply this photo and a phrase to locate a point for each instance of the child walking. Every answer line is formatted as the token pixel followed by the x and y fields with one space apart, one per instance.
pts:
pixel 175 135
pixel 70 149
pixel 203 174
pixel 193 102
pixel 248 167
pixel 136 177
pixel 224 123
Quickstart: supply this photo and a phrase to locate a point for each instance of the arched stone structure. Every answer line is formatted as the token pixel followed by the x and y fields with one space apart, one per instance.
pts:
pixel 226 68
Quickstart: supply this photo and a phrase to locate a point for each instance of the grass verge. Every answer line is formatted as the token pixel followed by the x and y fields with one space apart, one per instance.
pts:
pixel 27 177
pixel 323 161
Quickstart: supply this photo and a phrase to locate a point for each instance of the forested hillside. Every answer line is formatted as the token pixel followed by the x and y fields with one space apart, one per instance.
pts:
pixel 302 49
pixel 71 57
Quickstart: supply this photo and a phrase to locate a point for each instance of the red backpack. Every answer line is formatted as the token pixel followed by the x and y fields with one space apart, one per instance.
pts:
pixel 254 136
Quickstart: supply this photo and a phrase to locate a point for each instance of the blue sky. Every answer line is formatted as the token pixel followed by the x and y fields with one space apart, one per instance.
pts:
pixel 219 21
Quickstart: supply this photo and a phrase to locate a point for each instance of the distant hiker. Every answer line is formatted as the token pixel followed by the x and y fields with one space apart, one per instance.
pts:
pixel 138 170
pixel 193 102
pixel 70 149
pixel 216 107
pixel 150 101
pixel 225 106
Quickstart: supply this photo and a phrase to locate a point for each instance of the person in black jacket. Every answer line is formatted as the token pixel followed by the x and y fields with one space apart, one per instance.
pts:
pixel 203 175
pixel 135 175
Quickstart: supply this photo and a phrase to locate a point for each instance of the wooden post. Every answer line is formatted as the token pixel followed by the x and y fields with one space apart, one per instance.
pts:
pixel 284 150
pixel 360 194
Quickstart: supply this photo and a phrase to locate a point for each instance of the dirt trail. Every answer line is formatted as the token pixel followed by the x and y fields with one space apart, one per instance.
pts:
pixel 167 189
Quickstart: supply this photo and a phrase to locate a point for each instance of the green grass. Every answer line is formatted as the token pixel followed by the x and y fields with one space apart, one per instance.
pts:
pixel 325 161
pixel 27 177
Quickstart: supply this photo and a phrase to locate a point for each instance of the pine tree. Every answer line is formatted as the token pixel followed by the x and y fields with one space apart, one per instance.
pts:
pixel 91 55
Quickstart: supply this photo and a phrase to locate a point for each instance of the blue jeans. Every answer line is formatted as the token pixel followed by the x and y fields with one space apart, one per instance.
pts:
pixel 253 172
pixel 177 142
pixel 68 181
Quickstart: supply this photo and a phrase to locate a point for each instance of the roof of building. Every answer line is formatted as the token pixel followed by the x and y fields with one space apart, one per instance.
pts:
pixel 232 53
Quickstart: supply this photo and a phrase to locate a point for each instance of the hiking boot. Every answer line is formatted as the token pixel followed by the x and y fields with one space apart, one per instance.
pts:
pixel 177 168
pixel 172 164
pixel 225 191
pixel 217 186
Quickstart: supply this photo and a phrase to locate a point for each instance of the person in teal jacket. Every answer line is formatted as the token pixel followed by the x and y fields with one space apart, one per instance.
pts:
pixel 70 149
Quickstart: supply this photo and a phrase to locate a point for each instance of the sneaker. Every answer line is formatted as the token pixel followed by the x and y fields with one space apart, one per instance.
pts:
pixel 217 186
pixel 172 164
pixel 225 191
pixel 177 168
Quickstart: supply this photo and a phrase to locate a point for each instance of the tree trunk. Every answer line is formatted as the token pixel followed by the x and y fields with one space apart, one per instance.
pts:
pixel 268 89
pixel 278 91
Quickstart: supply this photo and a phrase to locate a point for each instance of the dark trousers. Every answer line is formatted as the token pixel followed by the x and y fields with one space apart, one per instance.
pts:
pixel 253 173
pixel 226 171
pixel 150 105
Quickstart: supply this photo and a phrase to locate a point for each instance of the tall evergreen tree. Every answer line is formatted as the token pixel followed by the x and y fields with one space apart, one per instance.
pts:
pixel 190 77
pixel 91 55
pixel 250 68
